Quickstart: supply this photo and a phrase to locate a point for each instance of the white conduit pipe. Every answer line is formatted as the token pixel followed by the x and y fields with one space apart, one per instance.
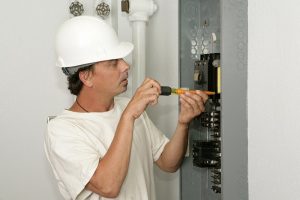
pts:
pixel 139 13
pixel 139 53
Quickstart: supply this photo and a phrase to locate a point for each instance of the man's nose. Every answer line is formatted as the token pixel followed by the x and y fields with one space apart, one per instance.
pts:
pixel 124 65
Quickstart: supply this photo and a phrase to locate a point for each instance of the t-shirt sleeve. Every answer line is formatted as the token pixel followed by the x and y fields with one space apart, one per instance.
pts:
pixel 158 139
pixel 71 155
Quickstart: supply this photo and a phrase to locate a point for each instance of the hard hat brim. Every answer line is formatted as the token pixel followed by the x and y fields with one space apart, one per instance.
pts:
pixel 123 50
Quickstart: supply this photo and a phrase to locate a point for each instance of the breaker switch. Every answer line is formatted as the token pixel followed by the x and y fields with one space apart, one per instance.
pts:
pixel 216 189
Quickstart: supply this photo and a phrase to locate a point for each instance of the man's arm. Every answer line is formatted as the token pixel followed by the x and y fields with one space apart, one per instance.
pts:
pixel 113 167
pixel 191 106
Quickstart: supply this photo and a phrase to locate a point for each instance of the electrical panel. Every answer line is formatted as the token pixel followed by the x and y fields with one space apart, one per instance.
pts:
pixel 200 68
pixel 206 152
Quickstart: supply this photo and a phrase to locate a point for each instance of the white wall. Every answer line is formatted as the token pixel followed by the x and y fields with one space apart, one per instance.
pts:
pixel 273 99
pixel 31 89
pixel 162 61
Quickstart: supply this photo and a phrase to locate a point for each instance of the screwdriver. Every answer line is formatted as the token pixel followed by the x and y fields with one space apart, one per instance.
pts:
pixel 166 91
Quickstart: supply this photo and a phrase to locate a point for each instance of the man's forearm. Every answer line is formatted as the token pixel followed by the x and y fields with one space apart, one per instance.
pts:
pixel 113 167
pixel 172 156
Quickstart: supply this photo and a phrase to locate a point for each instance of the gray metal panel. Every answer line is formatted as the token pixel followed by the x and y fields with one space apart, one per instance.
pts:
pixel 195 181
pixel 234 31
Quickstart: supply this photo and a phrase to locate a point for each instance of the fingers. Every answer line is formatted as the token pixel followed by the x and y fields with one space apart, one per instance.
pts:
pixel 148 92
pixel 151 83
pixel 190 106
pixel 151 89
pixel 194 101
pixel 202 95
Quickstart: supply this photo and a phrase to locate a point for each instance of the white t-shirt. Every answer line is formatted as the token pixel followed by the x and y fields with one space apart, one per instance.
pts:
pixel 76 141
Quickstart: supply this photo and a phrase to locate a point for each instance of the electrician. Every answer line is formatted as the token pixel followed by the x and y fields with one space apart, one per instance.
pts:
pixel 105 146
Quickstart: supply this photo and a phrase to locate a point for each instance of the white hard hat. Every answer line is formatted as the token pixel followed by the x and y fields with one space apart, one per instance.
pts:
pixel 85 39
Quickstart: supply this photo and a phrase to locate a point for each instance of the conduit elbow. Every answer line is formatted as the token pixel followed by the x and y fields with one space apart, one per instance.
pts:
pixel 141 10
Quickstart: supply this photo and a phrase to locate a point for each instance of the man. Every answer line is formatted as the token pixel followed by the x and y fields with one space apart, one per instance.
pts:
pixel 104 146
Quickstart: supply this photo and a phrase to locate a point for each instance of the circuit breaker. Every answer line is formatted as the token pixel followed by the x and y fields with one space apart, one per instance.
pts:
pixel 200 68
pixel 206 152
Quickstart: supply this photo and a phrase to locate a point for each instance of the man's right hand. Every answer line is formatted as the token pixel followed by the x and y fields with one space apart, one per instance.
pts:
pixel 146 94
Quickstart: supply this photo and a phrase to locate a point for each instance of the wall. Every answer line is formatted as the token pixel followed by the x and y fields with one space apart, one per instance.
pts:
pixel 31 89
pixel 162 64
pixel 273 100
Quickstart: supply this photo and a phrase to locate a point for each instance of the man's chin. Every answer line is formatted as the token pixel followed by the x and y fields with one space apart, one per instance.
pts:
pixel 124 89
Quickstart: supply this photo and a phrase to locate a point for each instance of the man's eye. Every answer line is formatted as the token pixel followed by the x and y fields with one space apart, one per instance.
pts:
pixel 114 62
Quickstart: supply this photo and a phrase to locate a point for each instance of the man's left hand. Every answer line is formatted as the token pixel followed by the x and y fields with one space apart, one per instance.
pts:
pixel 191 105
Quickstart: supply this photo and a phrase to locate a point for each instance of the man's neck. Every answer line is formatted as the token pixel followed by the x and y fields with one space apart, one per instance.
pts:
pixel 88 103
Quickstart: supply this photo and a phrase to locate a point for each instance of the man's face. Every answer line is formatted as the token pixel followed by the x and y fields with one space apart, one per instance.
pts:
pixel 110 77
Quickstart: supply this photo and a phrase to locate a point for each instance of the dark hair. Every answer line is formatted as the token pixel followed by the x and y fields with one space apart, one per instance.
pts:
pixel 75 84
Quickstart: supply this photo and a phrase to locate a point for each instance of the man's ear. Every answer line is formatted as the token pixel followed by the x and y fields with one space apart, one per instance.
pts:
pixel 86 78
